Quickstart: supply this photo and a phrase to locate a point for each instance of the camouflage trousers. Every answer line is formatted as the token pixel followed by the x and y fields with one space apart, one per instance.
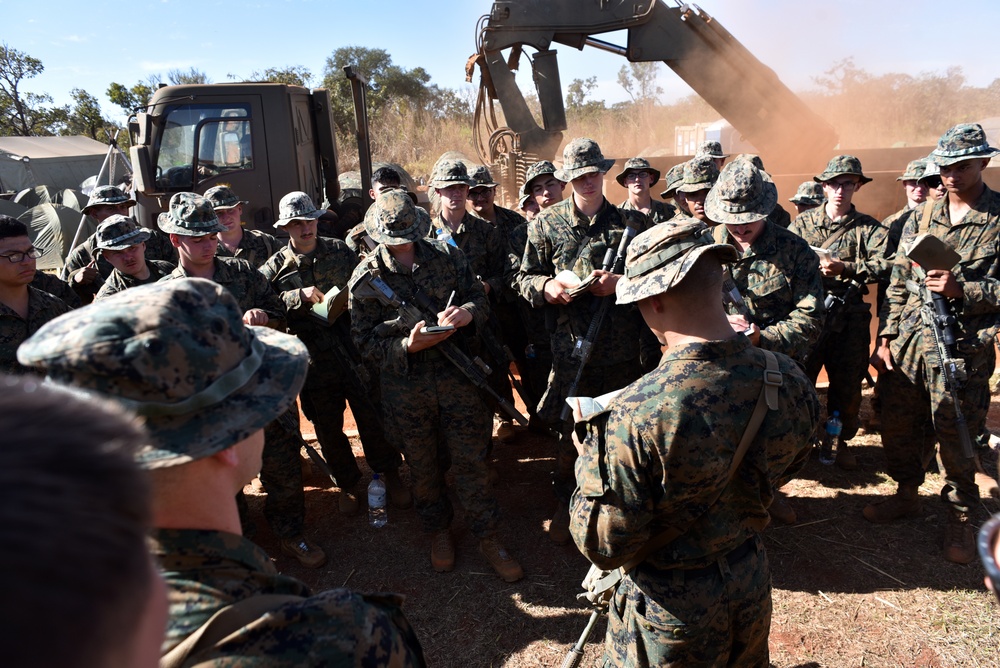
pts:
pixel 595 381
pixel 281 477
pixel 915 415
pixel 435 416
pixel 718 617
pixel 324 398
pixel 845 355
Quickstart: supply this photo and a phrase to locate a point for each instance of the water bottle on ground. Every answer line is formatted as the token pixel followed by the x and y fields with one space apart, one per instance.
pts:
pixel 377 516
pixel 833 427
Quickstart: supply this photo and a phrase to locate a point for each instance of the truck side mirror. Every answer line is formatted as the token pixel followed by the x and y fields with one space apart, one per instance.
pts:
pixel 142 173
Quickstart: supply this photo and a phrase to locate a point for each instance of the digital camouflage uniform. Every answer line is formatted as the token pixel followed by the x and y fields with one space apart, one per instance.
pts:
pixel 158 247
pixel 118 281
pixel 255 247
pixel 332 378
pixel 778 277
pixel 659 212
pixel 57 288
pixel 845 354
pixel 14 329
pixel 916 409
pixel 652 461
pixel 208 570
pixel 432 412
pixel 555 240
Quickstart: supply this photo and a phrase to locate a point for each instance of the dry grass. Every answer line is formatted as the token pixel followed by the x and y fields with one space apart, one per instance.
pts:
pixel 846 592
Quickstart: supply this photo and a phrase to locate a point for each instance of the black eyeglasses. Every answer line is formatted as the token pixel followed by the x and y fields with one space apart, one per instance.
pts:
pixel 18 256
pixel 987 540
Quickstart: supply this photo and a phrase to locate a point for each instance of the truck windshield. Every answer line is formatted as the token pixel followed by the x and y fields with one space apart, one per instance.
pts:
pixel 200 141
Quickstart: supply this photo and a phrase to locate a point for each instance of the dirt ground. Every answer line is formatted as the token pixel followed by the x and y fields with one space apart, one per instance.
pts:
pixel 846 592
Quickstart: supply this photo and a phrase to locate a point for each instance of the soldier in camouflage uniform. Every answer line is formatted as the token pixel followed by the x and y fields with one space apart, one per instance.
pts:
pixel 122 242
pixel 430 408
pixel 656 466
pixel 776 273
pixel 778 215
pixel 674 177
pixel 700 175
pixel 574 236
pixel 713 151
pixel 303 273
pixel 357 239
pixel 194 229
pixel 84 269
pixel 857 243
pixel 541 183
pixel 638 177
pixel 917 409
pixel 203 446
pixel 23 308
pixel 253 246
pixel 528 206
pixel 808 196
pixel 51 284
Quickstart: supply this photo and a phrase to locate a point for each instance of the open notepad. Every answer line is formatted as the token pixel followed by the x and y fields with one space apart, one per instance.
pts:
pixel 334 303
pixel 592 405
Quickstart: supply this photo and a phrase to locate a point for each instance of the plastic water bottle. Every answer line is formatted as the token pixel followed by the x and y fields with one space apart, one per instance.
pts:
pixel 444 234
pixel 833 427
pixel 377 516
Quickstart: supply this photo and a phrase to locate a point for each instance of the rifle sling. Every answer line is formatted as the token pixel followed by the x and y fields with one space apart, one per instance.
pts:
pixel 766 400
pixel 222 624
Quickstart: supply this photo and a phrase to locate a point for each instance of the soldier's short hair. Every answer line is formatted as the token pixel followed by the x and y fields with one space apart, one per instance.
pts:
pixel 74 512
pixel 387 176
pixel 12 227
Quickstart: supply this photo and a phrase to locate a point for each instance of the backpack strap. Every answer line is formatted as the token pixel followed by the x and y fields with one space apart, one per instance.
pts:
pixel 224 623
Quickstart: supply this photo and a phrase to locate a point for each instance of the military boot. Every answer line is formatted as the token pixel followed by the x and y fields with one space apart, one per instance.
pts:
pixel 959 539
pixel 904 503
pixel 780 510
pixel 505 565
pixel 307 553
pixel 442 551
pixel 845 460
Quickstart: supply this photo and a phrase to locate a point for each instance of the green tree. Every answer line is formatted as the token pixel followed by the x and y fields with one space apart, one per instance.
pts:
pixel 639 81
pixel 292 75
pixel 178 77
pixel 576 97
pixel 22 113
pixel 130 99
pixel 86 118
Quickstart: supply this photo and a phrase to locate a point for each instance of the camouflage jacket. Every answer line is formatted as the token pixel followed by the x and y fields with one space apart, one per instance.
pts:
pixel 118 281
pixel 158 247
pixel 778 276
pixel 330 265
pixel 245 283
pixel 14 329
pixel 977 239
pixel 555 239
pixel 661 452
pixel 508 225
pixel 659 212
pixel 54 286
pixel 483 246
pixel 255 247
pixel 206 571
pixel 861 248
pixel 893 230
pixel 438 269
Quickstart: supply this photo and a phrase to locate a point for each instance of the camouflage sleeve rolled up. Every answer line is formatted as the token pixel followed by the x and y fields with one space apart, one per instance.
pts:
pixel 661 453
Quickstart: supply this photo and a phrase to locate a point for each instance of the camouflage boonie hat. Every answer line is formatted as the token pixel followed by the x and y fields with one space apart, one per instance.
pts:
pixel 112 195
pixel 178 354
pixel 661 256
pixel 699 174
pixel 962 142
pixel 637 165
pixel 481 178
pixel 582 156
pixel 394 219
pixel 223 197
pixel 710 149
pixel 840 165
pixel 190 215
pixel 914 170
pixel 296 205
pixel 450 172
pixel 674 177
pixel 809 193
pixel 523 201
pixel 741 195
pixel 931 171
pixel 540 168
pixel 119 232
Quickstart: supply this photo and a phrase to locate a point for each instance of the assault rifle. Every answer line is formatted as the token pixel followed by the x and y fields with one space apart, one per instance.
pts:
pixel 369 285
pixel 731 295
pixel 929 252
pixel 836 315
pixel 614 261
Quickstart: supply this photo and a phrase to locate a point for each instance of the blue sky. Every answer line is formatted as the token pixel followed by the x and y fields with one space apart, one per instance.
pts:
pixel 89 45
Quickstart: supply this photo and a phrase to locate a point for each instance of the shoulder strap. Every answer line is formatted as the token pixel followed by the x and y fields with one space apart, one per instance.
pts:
pixel 839 233
pixel 223 623
pixel 925 220
pixel 766 400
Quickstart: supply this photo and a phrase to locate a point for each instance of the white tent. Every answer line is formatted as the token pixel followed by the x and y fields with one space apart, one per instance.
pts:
pixel 57 162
